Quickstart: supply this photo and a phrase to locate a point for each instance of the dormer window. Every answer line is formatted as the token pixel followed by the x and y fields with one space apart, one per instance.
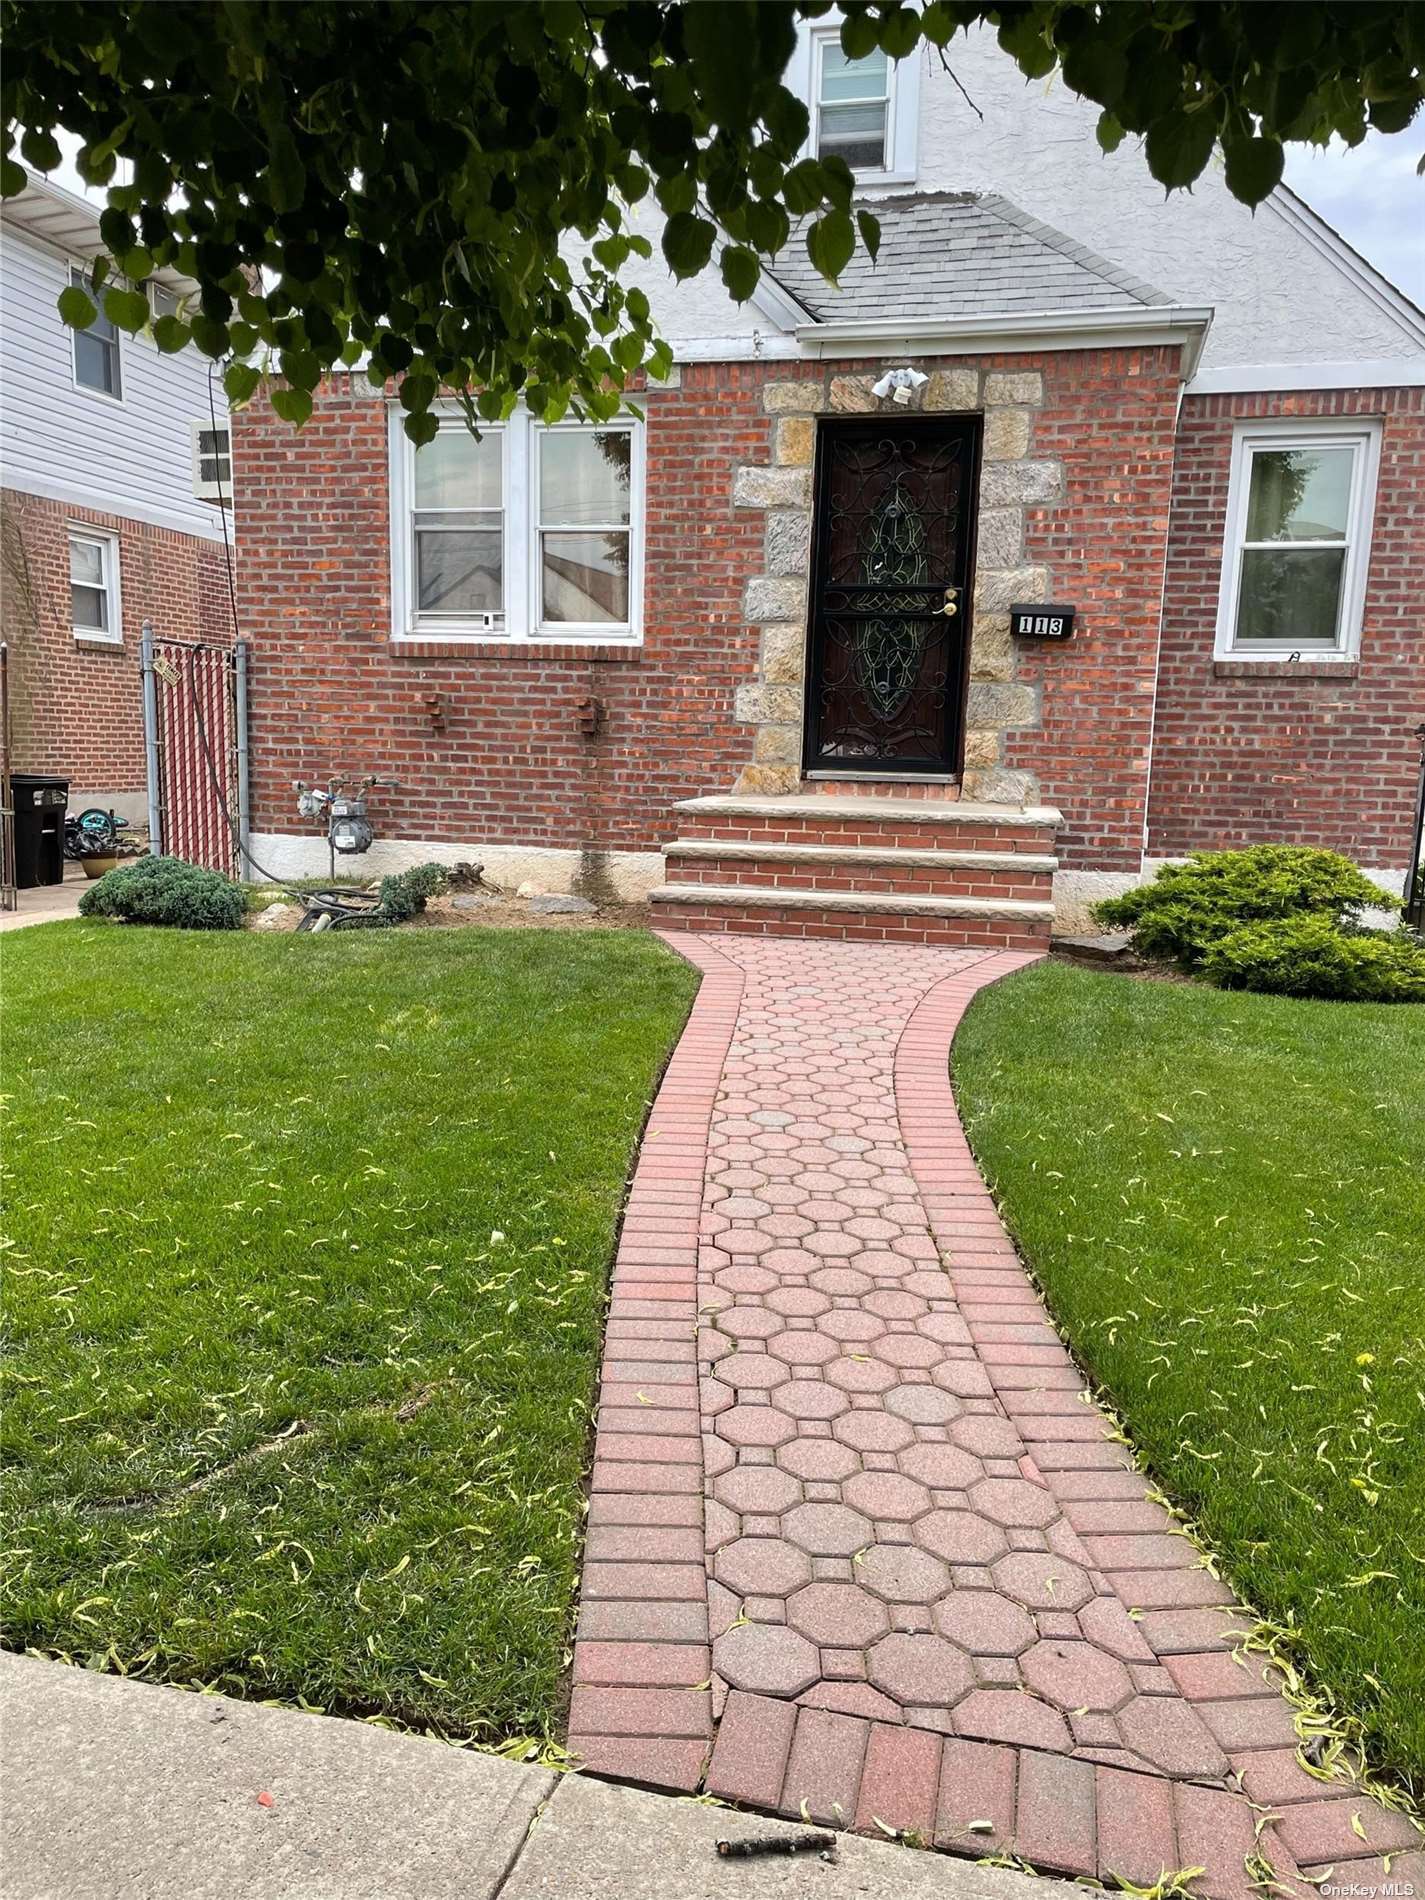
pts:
pixel 853 107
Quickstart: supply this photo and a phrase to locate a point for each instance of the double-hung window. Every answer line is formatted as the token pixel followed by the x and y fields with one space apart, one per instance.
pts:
pixel 853 107
pixel 94 586
pixel 96 350
pixel 526 533
pixel 1299 513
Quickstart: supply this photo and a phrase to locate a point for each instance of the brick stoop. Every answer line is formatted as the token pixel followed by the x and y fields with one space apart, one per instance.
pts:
pixel 866 867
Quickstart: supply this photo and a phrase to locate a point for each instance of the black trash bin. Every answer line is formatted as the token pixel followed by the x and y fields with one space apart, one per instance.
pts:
pixel 39 803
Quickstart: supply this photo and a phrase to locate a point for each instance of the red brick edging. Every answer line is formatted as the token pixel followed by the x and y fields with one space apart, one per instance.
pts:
pixel 641 1708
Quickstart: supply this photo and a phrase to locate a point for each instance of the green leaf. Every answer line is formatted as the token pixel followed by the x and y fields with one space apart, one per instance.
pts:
pixel 241 381
pixel 127 309
pixel 1024 40
pixel 830 244
pixel 1108 132
pixel 870 229
pixel 76 308
pixel 40 149
pixel 859 35
pixel 740 270
pixel 803 188
pixel 13 177
pixel 295 405
pixel 687 243
pixel 900 32
pixel 1179 146
pixel 421 429
pixel 1254 168
pixel 285 169
pixel 210 336
pixel 171 334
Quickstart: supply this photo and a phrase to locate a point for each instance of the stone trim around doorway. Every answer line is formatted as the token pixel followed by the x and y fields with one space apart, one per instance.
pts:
pixel 1012 479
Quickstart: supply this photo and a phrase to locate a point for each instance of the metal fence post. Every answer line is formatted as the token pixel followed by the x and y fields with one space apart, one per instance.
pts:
pixel 244 783
pixel 150 740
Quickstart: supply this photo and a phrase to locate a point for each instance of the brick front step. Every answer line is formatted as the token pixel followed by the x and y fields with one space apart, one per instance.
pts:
pixel 981 923
pixel 819 818
pixel 869 868
pixel 886 869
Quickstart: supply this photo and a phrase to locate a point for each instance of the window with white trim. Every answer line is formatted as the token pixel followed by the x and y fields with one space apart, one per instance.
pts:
pixel 96 349
pixel 853 106
pixel 865 111
pixel 94 586
pixel 212 463
pixel 1299 510
pixel 530 532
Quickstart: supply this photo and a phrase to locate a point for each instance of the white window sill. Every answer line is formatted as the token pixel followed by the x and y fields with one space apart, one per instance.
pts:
pixel 92 638
pixel 487 637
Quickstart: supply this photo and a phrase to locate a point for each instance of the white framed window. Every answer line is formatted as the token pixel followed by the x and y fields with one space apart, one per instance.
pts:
pixel 95 611
pixel 212 462
pixel 866 111
pixel 96 350
pixel 162 301
pixel 530 533
pixel 1299 508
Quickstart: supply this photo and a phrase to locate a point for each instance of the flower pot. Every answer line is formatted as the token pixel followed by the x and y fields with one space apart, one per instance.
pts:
pixel 96 867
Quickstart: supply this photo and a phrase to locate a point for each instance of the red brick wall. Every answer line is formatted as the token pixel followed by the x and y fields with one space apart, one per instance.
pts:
pixel 1108 418
pixel 77 706
pixel 1264 753
pixel 506 761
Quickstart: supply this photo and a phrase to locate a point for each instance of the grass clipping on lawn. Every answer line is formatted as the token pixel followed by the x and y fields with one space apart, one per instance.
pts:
pixel 1223 1197
pixel 308 1246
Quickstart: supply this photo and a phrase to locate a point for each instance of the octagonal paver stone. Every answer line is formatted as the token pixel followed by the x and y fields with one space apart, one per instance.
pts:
pixel 1015 1502
pixel 745 1280
pixel 902 1574
pixel 820 1460
pixel 908 1349
pixel 1076 1676
pixel 1008 1715
pixel 870 1430
pixel 801 1349
pixel 753 1371
pixel 834 1280
pixel 942 1467
pixel 827 1530
pixel 961 1537
pixel 984 1623
pixel 798 1302
pixel 921 1671
pixel 762 1566
pixel 766 1658
pixel 761 1489
pixel 851 1325
pixel 891 1303
pixel 1041 1581
pixel 1171 1735
pixel 748 1322
pixel 886 1495
pixel 810 1398
pixel 856 1374
pixel 987 1436
pixel 755 1425
pixel 838 1615
pixel 922 1404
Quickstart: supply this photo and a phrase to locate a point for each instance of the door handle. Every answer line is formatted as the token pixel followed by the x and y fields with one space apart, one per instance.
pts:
pixel 952 602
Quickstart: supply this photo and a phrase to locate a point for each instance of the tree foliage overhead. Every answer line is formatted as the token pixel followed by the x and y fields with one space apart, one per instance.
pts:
pixel 400 180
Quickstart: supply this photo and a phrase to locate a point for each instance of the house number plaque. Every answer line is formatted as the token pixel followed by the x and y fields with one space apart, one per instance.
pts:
pixel 1045 622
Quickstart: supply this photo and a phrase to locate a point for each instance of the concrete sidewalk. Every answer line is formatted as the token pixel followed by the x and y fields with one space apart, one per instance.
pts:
pixel 116 1790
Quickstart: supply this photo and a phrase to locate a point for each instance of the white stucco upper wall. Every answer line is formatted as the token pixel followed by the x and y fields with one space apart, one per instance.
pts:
pixel 1279 295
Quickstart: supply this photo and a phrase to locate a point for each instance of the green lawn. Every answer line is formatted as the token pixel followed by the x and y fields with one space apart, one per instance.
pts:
pixel 1224 1199
pixel 307 1248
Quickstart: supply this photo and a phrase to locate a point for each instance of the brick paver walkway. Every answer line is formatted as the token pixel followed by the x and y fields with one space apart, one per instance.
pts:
pixel 867 1550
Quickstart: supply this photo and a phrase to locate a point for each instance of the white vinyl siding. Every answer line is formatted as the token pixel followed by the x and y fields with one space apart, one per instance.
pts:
pixel 132 458
pixel 1297 548
pixel 532 533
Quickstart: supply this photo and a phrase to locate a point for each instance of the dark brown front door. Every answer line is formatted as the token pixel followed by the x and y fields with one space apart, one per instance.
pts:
pixel 890 595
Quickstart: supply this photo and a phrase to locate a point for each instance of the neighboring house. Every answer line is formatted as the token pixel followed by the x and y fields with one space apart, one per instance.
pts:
pixel 781 592
pixel 111 470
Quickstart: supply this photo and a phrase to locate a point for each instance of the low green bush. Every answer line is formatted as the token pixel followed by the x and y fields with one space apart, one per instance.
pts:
pixel 1313 956
pixel 1189 908
pixel 405 893
pixel 165 891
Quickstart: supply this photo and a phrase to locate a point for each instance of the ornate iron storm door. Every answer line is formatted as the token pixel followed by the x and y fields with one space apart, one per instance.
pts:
pixel 890 594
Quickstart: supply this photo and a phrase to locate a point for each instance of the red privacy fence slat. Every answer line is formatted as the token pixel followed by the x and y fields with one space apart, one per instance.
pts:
pixel 195 690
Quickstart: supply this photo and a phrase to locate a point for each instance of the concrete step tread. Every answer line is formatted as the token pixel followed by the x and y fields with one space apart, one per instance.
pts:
pixel 834 806
pixel 770 897
pixel 856 856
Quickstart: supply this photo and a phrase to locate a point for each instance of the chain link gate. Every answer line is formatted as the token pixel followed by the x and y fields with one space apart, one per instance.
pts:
pixel 195 744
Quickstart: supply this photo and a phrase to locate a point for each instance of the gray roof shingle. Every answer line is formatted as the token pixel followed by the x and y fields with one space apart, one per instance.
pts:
pixel 962 254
